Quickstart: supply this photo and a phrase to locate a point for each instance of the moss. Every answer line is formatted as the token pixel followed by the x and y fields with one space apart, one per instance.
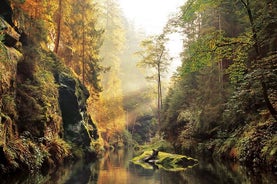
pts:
pixel 37 95
pixel 166 161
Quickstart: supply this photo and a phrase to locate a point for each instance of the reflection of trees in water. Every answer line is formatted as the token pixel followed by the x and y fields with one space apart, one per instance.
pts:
pixel 115 168
pixel 207 172
pixel 84 172
pixel 214 172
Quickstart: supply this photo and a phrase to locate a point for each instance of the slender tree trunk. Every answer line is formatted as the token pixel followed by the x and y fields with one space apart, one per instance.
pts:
pixel 220 63
pixel 59 18
pixel 83 47
pixel 267 101
pixel 159 88
pixel 254 31
pixel 159 97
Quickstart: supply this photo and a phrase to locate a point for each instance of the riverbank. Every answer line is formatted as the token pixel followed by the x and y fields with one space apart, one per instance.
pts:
pixel 253 145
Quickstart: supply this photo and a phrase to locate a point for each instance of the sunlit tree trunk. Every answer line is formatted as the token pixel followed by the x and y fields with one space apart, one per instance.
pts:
pixel 83 46
pixel 159 97
pixel 220 64
pixel 156 57
pixel 159 89
pixel 59 18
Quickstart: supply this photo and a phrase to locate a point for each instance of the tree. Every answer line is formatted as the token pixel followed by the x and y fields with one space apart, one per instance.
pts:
pixel 196 100
pixel 58 32
pixel 256 27
pixel 239 47
pixel 155 56
pixel 81 46
pixel 110 112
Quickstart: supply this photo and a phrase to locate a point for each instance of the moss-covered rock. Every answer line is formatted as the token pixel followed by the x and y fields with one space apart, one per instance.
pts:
pixel 166 161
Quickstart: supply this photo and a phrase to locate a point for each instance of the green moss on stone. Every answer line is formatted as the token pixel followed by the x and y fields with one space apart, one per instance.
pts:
pixel 166 161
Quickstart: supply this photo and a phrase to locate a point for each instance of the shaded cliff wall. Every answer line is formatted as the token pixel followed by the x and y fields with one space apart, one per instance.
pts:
pixel 79 128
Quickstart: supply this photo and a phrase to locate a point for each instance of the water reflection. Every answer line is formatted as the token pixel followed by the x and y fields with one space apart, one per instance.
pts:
pixel 84 173
pixel 115 168
pixel 79 172
pixel 214 172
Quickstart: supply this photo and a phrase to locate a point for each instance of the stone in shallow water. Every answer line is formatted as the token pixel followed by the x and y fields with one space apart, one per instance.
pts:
pixel 166 161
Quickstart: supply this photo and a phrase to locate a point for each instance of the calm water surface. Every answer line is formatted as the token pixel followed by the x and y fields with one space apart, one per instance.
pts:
pixel 116 168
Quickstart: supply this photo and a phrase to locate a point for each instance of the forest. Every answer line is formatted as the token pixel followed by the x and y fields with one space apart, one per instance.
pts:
pixel 77 79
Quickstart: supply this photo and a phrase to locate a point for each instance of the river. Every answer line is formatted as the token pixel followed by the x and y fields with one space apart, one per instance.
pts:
pixel 115 168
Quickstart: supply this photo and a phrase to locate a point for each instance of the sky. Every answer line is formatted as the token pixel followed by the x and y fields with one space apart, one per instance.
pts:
pixel 151 16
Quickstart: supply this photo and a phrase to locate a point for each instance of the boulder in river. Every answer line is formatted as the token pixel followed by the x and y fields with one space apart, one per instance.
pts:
pixel 163 160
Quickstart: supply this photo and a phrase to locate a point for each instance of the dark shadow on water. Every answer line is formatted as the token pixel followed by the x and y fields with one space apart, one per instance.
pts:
pixel 79 172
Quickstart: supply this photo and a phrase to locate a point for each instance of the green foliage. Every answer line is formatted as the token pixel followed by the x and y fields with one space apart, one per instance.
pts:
pixel 127 139
pixel 269 151
pixel 200 53
pixel 196 101
pixel 248 97
pixel 226 85
pixel 226 147
pixel 144 129
pixel 154 55
pixel 192 8
pixel 237 71
pixel 37 31
pixel 157 143
pixel 37 96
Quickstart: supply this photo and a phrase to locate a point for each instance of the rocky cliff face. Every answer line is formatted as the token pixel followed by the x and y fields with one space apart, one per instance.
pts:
pixel 77 123
pixel 43 115
pixel 8 112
